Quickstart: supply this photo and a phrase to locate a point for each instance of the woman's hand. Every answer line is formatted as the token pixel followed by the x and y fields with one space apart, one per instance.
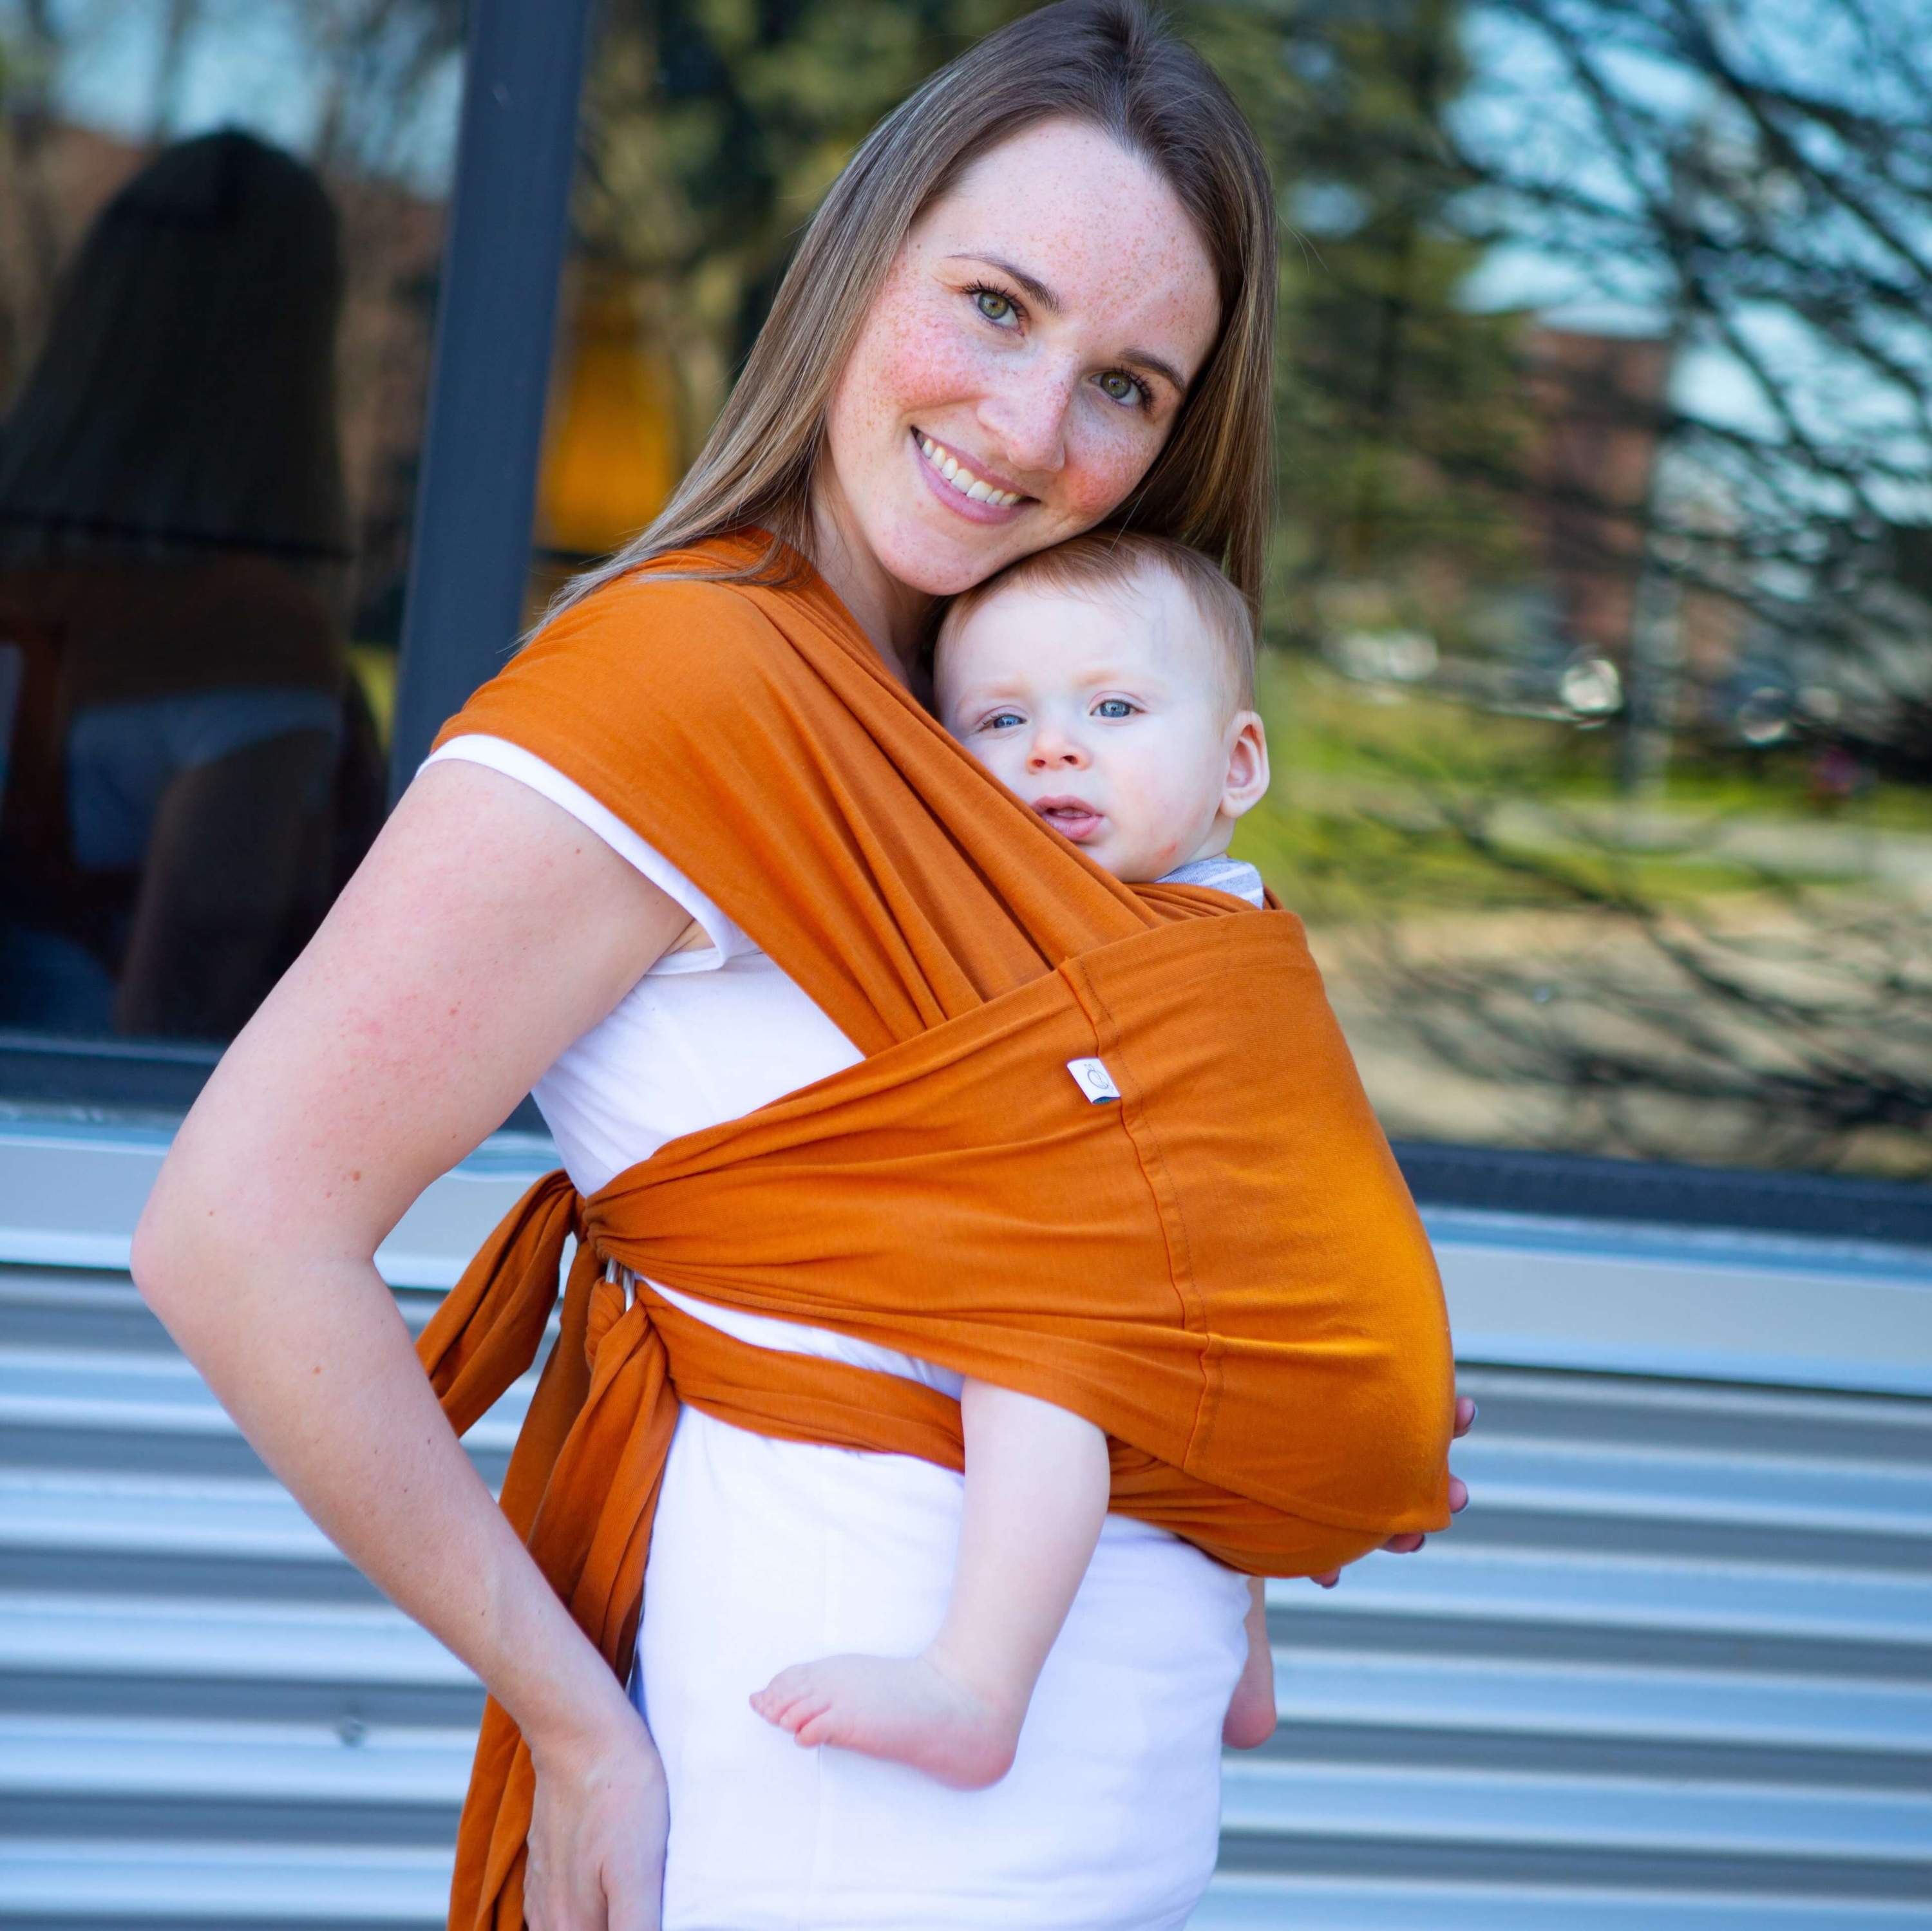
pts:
pixel 598 1825
pixel 1459 1498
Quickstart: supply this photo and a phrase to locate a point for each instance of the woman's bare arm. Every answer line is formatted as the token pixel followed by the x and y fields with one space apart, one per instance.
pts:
pixel 484 932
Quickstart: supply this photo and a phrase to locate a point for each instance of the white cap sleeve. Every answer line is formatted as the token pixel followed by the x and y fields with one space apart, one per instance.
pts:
pixel 513 761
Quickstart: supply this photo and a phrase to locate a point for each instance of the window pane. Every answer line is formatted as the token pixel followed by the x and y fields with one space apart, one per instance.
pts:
pixel 1599 682
pixel 220 226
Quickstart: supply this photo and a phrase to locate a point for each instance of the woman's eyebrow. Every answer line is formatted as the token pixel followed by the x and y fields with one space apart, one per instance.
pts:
pixel 1134 358
pixel 1033 285
pixel 1141 358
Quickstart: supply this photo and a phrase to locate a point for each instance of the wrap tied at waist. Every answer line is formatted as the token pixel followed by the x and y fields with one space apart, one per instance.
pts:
pixel 1222 1268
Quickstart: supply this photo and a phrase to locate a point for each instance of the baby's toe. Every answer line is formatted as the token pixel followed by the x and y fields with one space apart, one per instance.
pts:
pixel 805 1711
pixel 776 1701
pixel 816 1727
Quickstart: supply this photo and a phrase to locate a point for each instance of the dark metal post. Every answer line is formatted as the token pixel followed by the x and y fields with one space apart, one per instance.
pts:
pixel 501 260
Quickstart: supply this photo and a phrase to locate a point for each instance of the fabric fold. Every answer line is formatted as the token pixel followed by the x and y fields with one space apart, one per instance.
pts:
pixel 1222 1268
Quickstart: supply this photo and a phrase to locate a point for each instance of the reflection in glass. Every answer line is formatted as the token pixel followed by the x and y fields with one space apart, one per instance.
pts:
pixel 1601 701
pixel 173 553
pixel 214 355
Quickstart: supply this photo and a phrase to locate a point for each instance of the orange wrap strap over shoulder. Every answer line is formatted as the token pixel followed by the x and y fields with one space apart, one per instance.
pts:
pixel 1223 1269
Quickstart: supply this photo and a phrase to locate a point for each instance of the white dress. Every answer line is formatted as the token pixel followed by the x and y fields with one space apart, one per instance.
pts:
pixel 766 1553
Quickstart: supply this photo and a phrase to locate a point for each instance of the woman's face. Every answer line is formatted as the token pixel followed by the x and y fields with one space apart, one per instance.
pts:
pixel 1024 363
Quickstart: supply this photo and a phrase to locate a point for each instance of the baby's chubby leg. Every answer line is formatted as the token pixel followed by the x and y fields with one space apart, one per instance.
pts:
pixel 1036 1486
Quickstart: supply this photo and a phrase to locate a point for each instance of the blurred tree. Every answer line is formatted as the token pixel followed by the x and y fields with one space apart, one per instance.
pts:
pixel 1749 183
pixel 1756 177
pixel 1402 423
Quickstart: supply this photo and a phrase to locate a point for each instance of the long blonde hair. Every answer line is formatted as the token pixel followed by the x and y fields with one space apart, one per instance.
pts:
pixel 1105 62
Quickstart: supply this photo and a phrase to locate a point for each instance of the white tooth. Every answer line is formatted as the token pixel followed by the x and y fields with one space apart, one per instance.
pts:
pixel 925 443
pixel 948 468
pixel 979 493
pixel 1005 499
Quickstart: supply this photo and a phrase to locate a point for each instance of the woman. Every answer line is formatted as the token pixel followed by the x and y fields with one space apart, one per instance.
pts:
pixel 174 546
pixel 1040 296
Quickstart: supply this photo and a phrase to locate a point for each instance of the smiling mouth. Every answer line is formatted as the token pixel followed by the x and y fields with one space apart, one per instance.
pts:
pixel 955 475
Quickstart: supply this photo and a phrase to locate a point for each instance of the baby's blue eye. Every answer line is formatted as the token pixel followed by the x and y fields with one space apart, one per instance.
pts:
pixel 1115 707
pixel 1002 720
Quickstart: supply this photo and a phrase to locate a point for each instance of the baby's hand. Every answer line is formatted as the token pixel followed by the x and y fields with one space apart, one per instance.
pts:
pixel 1458 1499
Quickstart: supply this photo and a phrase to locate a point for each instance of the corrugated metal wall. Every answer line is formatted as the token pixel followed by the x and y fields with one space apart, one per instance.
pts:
pixel 1673 1669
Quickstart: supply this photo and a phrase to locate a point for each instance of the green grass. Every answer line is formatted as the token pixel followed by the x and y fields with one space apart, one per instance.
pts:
pixel 1320 724
pixel 1360 819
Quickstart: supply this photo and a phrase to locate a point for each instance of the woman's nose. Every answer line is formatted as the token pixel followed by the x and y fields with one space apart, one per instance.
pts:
pixel 1026 416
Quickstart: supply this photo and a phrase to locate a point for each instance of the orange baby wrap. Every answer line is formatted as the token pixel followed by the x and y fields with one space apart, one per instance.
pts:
pixel 1222 1268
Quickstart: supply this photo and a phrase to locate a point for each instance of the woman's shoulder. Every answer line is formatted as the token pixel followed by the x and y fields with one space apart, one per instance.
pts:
pixel 635 653
pixel 675 612
pixel 645 686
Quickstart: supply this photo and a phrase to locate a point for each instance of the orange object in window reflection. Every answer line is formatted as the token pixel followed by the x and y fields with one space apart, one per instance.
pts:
pixel 611 455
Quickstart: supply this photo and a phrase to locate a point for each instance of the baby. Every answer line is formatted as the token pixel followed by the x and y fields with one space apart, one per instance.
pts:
pixel 1110 683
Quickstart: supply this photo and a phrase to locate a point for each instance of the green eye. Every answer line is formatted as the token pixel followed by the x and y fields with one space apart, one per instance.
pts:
pixel 993 305
pixel 1119 387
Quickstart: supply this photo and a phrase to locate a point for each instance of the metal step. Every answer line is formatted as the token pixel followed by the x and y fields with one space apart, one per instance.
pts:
pixel 74 1406
pixel 1673 1669
pixel 1237 1902
pixel 1728 1725
pixel 70 1777
pixel 1306 1818
pixel 1742 1422
pixel 155 1656
pixel 1458 1597
pixel 158 1882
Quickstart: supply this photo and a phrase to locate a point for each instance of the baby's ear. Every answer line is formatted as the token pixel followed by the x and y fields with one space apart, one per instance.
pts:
pixel 1247 776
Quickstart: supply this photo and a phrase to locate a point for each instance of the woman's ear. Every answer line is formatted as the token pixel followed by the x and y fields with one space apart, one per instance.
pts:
pixel 1247 776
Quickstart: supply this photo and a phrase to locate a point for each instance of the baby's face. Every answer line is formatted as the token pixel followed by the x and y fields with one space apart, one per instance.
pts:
pixel 1105 711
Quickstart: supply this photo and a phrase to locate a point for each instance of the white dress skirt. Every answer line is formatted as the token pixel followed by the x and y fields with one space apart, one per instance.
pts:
pixel 766 1553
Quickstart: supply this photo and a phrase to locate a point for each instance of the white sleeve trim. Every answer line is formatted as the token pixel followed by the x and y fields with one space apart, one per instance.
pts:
pixel 513 761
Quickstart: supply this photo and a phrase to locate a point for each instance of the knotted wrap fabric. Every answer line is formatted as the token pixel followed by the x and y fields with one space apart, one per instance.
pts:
pixel 1223 1269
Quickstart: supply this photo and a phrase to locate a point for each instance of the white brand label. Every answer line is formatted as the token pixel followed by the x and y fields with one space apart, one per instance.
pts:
pixel 1094 1080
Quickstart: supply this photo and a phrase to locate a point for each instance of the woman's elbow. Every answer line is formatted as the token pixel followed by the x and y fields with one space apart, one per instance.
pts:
pixel 163 1259
pixel 188 1240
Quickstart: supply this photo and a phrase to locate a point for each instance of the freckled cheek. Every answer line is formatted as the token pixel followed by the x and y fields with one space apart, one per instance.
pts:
pixel 924 364
pixel 1102 467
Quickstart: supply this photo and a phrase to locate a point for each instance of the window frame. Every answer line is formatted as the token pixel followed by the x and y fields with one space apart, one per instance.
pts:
pixel 502 262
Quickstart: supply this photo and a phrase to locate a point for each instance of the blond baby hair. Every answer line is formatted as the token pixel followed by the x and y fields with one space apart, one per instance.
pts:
pixel 1114 560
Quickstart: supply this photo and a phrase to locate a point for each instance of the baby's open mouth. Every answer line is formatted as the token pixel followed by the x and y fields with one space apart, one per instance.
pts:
pixel 1074 817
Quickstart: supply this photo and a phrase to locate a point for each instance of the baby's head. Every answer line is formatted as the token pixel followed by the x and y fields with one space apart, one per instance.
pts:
pixel 1109 681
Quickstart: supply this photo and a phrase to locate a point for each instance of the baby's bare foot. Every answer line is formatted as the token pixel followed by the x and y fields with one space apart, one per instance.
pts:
pixel 910 1709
